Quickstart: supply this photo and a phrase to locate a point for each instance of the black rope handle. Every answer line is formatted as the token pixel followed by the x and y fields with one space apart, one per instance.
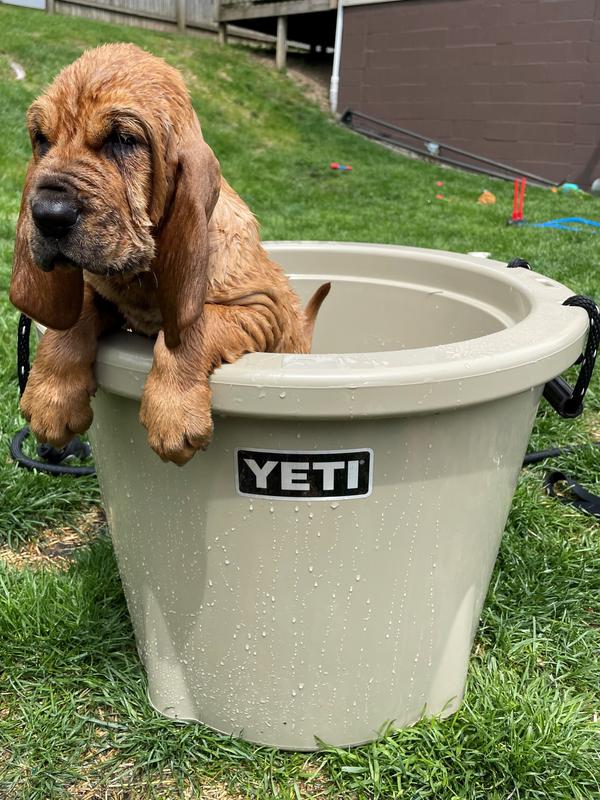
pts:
pixel 565 400
pixel 518 262
pixel 24 330
pixel 52 456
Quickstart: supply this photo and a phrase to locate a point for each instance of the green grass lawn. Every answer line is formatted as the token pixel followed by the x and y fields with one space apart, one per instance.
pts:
pixel 74 721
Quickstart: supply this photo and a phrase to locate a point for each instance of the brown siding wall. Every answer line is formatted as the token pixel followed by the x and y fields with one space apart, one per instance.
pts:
pixel 514 80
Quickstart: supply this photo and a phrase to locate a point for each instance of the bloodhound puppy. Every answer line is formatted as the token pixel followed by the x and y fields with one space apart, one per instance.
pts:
pixel 126 220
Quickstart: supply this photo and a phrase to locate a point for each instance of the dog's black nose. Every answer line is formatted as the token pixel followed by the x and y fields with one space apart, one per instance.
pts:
pixel 54 212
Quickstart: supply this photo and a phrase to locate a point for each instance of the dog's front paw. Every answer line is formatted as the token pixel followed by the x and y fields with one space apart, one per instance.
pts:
pixel 58 408
pixel 178 421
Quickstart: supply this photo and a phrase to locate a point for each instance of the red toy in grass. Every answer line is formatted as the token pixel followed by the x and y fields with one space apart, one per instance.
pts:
pixel 340 167
pixel 518 201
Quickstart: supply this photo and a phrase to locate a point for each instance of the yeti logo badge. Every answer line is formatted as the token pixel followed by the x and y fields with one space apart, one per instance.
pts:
pixel 312 475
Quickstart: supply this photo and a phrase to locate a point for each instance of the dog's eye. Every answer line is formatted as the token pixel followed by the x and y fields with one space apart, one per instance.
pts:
pixel 41 143
pixel 120 144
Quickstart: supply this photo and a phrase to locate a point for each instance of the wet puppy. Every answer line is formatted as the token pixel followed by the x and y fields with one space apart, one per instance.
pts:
pixel 126 221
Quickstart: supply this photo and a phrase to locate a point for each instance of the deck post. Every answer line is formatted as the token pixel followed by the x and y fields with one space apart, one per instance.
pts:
pixel 50 6
pixel 222 35
pixel 180 15
pixel 281 51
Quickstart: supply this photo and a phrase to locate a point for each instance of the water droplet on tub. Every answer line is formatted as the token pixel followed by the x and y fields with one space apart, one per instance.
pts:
pixel 335 505
pixel 227 562
pixel 282 395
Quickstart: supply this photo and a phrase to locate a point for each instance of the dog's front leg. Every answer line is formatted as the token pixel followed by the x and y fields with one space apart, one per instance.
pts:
pixel 56 401
pixel 176 402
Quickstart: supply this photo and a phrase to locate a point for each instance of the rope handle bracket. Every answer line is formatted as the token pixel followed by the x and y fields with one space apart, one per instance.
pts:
pixel 565 399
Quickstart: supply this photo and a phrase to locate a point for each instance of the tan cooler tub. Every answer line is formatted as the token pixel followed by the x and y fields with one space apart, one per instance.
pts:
pixel 321 569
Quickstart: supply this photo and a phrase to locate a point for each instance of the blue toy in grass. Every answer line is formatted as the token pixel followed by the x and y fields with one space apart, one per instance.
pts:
pixel 569 187
pixel 568 224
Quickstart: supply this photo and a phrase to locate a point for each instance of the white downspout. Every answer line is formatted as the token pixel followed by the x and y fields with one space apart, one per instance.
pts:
pixel 337 52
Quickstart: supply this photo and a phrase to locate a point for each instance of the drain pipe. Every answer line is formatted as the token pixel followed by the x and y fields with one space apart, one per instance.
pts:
pixel 337 52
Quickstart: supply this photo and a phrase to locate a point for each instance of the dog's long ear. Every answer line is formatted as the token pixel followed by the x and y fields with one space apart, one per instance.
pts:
pixel 181 263
pixel 52 298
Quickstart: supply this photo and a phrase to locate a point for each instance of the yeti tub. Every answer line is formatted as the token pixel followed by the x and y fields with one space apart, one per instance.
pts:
pixel 320 570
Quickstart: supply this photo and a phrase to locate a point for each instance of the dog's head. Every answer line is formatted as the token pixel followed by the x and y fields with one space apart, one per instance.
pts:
pixel 120 181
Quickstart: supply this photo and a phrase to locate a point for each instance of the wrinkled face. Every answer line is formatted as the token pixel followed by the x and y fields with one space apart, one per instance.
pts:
pixel 121 181
pixel 90 192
